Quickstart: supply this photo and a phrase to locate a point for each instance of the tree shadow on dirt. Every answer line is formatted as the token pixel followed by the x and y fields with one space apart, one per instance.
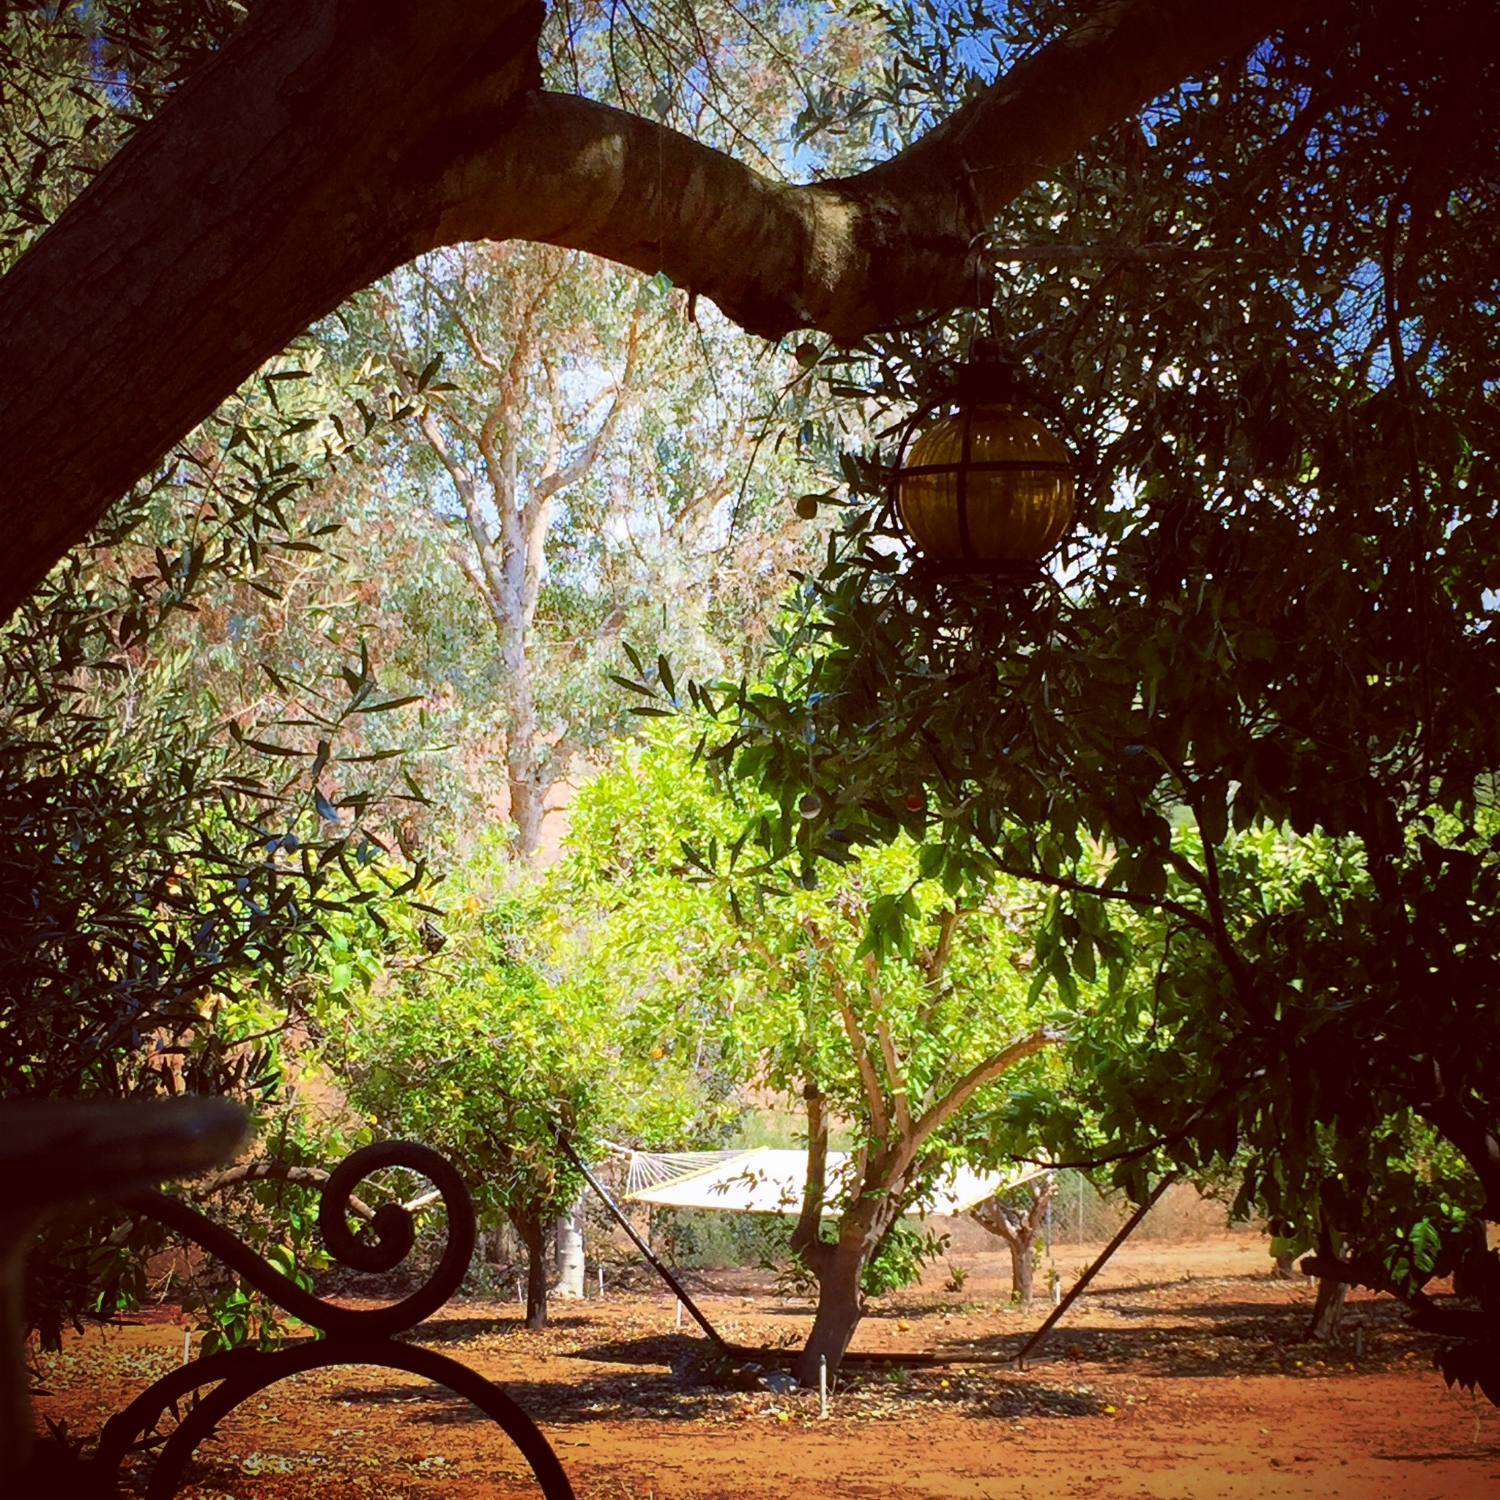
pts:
pixel 661 1398
pixel 612 1398
pixel 676 1377
pixel 674 1350
pixel 1451 1455
pixel 455 1326
pixel 1222 1338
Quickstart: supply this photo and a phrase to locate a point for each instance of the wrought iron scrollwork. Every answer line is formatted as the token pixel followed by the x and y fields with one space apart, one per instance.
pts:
pixel 352 1336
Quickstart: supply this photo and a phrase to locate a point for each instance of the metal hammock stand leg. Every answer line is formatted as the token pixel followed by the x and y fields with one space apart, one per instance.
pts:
pixel 652 1258
pixel 1078 1287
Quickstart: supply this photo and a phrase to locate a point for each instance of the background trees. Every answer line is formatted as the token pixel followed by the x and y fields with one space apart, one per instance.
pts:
pixel 591 453
pixel 494 1050
pixel 1017 1218
pixel 473 1056
pixel 211 786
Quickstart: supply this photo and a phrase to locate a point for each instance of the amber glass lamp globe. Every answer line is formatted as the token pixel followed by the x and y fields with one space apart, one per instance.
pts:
pixel 986 490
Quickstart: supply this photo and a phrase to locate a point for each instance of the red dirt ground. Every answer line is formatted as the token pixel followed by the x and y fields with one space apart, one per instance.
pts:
pixel 1179 1375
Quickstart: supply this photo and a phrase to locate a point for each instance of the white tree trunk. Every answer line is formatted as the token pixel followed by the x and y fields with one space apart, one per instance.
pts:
pixel 570 1252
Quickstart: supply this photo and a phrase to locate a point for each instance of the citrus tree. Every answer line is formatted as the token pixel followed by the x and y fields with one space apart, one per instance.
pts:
pixel 476 1059
pixel 888 1005
pixel 495 1055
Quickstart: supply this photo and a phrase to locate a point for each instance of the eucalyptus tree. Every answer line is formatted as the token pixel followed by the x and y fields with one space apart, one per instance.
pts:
pixel 610 454
pixel 592 452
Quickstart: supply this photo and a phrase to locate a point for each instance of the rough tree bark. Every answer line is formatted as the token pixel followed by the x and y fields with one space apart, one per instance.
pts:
pixel 1328 1305
pixel 332 140
pixel 1018 1225
pixel 838 1264
pixel 1328 1310
pixel 1476 1138
pixel 533 1234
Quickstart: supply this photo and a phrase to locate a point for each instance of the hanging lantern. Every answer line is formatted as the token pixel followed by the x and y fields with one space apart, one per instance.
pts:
pixel 987 489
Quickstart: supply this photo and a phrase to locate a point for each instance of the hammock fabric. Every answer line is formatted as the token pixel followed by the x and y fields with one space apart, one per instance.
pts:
pixel 766 1180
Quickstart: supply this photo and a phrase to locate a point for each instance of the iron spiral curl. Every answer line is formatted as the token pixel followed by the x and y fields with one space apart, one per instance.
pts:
pixel 354 1336
pixel 394 1236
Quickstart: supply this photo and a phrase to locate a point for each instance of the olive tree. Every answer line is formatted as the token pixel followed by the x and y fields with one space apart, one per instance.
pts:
pixel 282 157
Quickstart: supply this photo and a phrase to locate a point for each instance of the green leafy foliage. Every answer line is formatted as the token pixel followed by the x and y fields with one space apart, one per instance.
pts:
pixel 170 857
pixel 1241 730
pixel 871 999
pixel 475 1056
pixel 899 1260
pixel 173 853
pixel 507 1061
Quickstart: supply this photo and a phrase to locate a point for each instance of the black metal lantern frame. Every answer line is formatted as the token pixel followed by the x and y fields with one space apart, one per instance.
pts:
pixel 991 378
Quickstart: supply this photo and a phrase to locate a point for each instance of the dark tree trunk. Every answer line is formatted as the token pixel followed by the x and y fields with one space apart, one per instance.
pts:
pixel 838 1265
pixel 533 1233
pixel 1328 1309
pixel 841 1305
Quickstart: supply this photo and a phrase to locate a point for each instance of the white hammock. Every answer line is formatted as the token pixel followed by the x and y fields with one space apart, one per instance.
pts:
pixel 763 1179
pixel 649 1169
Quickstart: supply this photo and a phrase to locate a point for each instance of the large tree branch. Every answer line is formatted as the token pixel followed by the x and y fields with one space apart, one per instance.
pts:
pixel 807 1240
pixel 853 254
pixel 895 1079
pixel 333 140
pixel 1465 1129
pixel 976 1078
pixel 280 178
pixel 869 1079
